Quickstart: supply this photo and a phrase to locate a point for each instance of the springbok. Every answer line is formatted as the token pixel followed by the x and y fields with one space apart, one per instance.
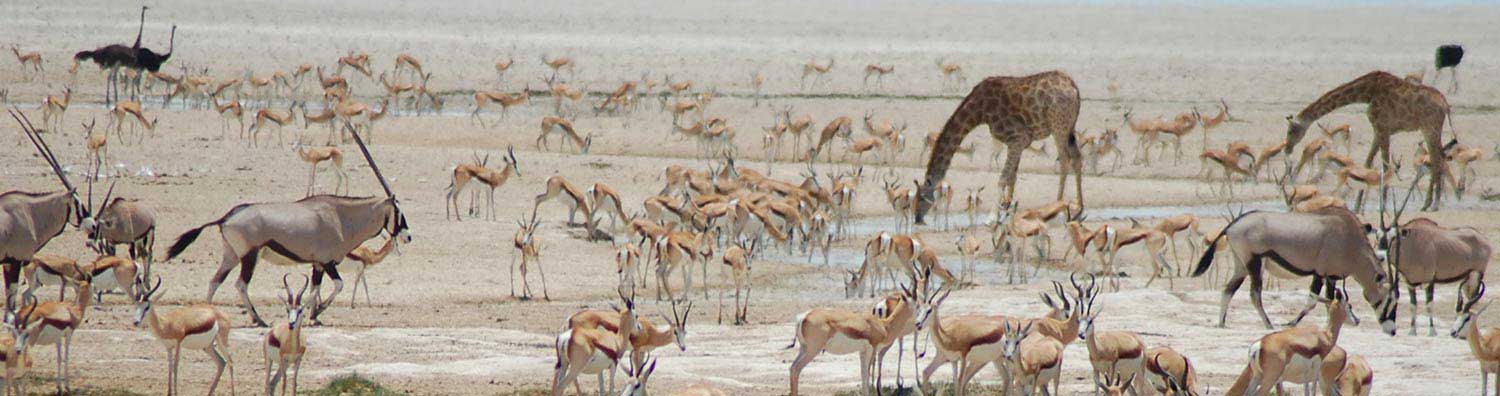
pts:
pixel 14 354
pixel 32 59
pixel 316 155
pixel 53 323
pixel 647 336
pixel 951 71
pixel 29 220
pixel 506 101
pixel 50 269
pixel 583 350
pixel 1484 344
pixel 576 201
pixel 530 252
pixel 559 63
pixel 739 259
pixel 284 344
pixel 132 109
pixel 1172 376
pixel 1295 355
pixel 818 71
pixel 319 230
pixel 267 116
pixel 54 107
pixel 1427 254
pixel 1035 360
pixel 1210 123
pixel 491 178
pixel 561 126
pixel 367 258
pixel 199 327
pixel 841 332
pixel 879 71
pixel 1111 353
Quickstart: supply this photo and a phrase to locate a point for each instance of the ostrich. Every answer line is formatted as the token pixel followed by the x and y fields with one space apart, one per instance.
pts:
pixel 1448 57
pixel 112 57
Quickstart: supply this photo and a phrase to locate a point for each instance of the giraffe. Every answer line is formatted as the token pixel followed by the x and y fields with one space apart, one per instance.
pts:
pixel 1018 110
pixel 1396 106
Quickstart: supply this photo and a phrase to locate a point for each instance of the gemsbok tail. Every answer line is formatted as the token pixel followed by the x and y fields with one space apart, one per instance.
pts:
pixel 187 238
pixel 1212 246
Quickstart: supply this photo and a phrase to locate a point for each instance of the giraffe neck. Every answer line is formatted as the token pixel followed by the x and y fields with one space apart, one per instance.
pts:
pixel 948 142
pixel 1360 90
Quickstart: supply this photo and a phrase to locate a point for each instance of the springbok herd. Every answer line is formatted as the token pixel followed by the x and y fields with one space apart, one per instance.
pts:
pixel 714 212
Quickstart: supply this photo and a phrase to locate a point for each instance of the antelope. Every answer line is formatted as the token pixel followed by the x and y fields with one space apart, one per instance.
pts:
pixel 1484 344
pixel 878 71
pixel 1184 222
pixel 628 265
pixel 491 178
pixel 1024 227
pixel 53 323
pixel 16 358
pixel 1463 156
pixel 974 204
pixel 319 230
pixel 602 196
pixel 268 116
pixel 1356 377
pixel 433 100
pixel 360 63
pixel 396 90
pixel 98 146
pixel 367 258
pixel 1340 132
pixel 968 245
pixel 586 350
pixel 556 64
pixel 326 117
pixel 1147 134
pixel 127 108
pixel 1111 353
pixel 770 141
pixel 951 71
pixel 1427 254
pixel 646 337
pixel 639 375
pixel 865 145
pixel 1210 123
pixel 1177 128
pixel 54 107
pixel 840 332
pixel 48 269
pixel 1227 162
pixel 1296 355
pixel 409 63
pixel 1036 360
pixel 234 110
pixel 575 199
pixel 971 341
pixel 284 343
pixel 503 66
pixel 1310 153
pixel 558 125
pixel 29 220
pixel 1114 386
pixel 678 249
pixel 529 251
pixel 33 59
pixel 327 82
pixel 739 259
pixel 1330 159
pixel 198 327
pixel 1174 376
pixel 1096 147
pixel 839 127
pixel 1266 156
pixel 796 126
pixel 260 86
pixel 757 82
pixel 812 68
pixel 1327 244
pixel 315 155
pixel 506 101
pixel 1366 177
pixel 902 201
pixel 113 273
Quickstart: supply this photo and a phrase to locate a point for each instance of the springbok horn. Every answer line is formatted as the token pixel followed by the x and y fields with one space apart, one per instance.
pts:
pixel 366 151
pixel 306 280
pixel 285 284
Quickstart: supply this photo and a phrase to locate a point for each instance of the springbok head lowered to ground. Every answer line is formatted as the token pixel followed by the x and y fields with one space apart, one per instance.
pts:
pixel 396 225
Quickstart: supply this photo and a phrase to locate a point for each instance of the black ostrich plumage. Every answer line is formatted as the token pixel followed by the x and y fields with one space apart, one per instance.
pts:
pixel 1449 55
pixel 151 61
pixel 109 56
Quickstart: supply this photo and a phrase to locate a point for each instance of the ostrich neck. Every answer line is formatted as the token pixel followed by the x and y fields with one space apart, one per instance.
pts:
pixel 140 30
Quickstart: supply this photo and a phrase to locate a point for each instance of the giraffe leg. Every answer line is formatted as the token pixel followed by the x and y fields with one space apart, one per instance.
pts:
pixel 1013 152
pixel 1438 166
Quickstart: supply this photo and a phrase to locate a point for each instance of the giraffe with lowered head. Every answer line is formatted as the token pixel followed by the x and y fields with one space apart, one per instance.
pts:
pixel 1396 106
pixel 1018 110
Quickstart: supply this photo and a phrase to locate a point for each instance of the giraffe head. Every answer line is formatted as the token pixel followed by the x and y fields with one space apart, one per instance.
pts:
pixel 1295 129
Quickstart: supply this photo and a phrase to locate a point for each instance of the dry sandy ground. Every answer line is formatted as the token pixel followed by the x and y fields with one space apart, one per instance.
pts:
pixel 443 321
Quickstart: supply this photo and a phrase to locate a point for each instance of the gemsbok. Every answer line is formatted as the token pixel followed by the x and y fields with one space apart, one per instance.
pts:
pixel 29 220
pixel 320 230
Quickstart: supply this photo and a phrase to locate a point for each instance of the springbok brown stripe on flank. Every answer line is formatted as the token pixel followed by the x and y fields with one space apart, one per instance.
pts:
pixel 275 342
pixel 1132 353
pixel 1305 351
pixel 200 328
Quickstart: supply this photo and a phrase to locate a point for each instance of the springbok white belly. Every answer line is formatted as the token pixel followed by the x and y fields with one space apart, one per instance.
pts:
pixel 598 363
pixel 841 344
pixel 201 340
pixel 1302 370
pixel 984 353
pixel 49 335
pixel 44 278
pixel 105 281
